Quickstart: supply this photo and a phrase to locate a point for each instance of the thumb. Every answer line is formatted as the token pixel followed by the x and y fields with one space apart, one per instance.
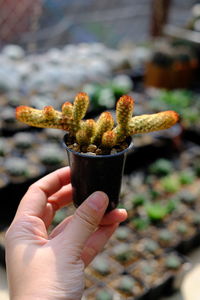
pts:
pixel 85 221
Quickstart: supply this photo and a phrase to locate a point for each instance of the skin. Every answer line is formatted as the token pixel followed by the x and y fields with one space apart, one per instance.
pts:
pixel 42 265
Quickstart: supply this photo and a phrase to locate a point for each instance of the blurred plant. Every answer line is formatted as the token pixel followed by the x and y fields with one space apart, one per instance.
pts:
pixel 16 167
pixel 170 184
pixel 101 266
pixel 186 177
pixel 126 284
pixel 104 295
pixel 161 167
pixel 173 261
pixel 139 199
pixel 156 211
pixel 140 223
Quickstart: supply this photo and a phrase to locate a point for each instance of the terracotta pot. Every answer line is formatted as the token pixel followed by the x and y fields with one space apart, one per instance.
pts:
pixel 90 173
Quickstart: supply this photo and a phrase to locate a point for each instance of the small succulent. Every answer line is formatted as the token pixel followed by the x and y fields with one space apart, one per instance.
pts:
pixel 173 262
pixel 23 140
pixel 3 147
pixel 148 269
pixel 50 155
pixel 123 252
pixel 8 116
pixel 161 167
pixel 104 294
pixel 170 184
pixel 196 219
pixel 186 177
pixel 126 284
pixel 165 236
pixel 187 197
pixel 150 245
pixel 156 211
pixel 122 233
pixel 16 167
pixel 140 223
pixel 182 228
pixel 138 199
pixel 101 266
pixel 101 133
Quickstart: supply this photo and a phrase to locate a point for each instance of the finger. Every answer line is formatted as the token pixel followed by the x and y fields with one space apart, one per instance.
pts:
pixel 115 216
pixel 86 219
pixel 61 198
pixel 96 242
pixel 34 201
pixel 49 213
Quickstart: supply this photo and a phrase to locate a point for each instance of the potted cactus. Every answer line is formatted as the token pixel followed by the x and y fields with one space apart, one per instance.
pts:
pixel 96 149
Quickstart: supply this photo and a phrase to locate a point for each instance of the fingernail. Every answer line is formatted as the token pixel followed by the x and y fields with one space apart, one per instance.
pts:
pixel 97 200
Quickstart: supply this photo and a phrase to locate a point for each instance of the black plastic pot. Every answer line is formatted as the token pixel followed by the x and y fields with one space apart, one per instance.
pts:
pixel 90 173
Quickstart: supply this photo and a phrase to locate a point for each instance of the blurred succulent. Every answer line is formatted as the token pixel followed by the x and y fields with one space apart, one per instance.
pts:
pixel 148 269
pixel 101 265
pixel 173 261
pixel 170 184
pixel 102 132
pixel 126 284
pixel 23 140
pixel 140 223
pixel 156 211
pixel 122 233
pixel 51 155
pixel 53 134
pixel 16 166
pixel 13 52
pixel 187 197
pixel 8 115
pixel 186 177
pixel 161 167
pixel 182 228
pixel 196 219
pixel 150 245
pixel 165 235
pixel 121 84
pixel 104 294
pixel 139 199
pixel 4 148
pixel 123 252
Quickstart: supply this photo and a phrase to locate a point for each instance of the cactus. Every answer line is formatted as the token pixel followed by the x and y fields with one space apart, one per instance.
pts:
pixel 103 132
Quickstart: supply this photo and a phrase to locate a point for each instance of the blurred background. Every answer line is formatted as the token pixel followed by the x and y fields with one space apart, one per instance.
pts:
pixel 149 49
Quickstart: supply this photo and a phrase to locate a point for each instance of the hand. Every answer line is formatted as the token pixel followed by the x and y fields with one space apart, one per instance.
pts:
pixel 51 266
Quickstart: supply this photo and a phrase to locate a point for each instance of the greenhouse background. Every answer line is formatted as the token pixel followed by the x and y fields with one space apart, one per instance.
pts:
pixel 50 50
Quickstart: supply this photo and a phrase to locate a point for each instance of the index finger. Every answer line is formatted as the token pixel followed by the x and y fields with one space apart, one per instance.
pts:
pixel 34 201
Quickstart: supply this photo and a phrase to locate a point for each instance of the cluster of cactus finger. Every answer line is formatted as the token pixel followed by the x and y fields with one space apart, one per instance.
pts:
pixel 103 132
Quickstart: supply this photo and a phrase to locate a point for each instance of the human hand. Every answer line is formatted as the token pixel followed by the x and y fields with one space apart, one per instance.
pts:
pixel 51 266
